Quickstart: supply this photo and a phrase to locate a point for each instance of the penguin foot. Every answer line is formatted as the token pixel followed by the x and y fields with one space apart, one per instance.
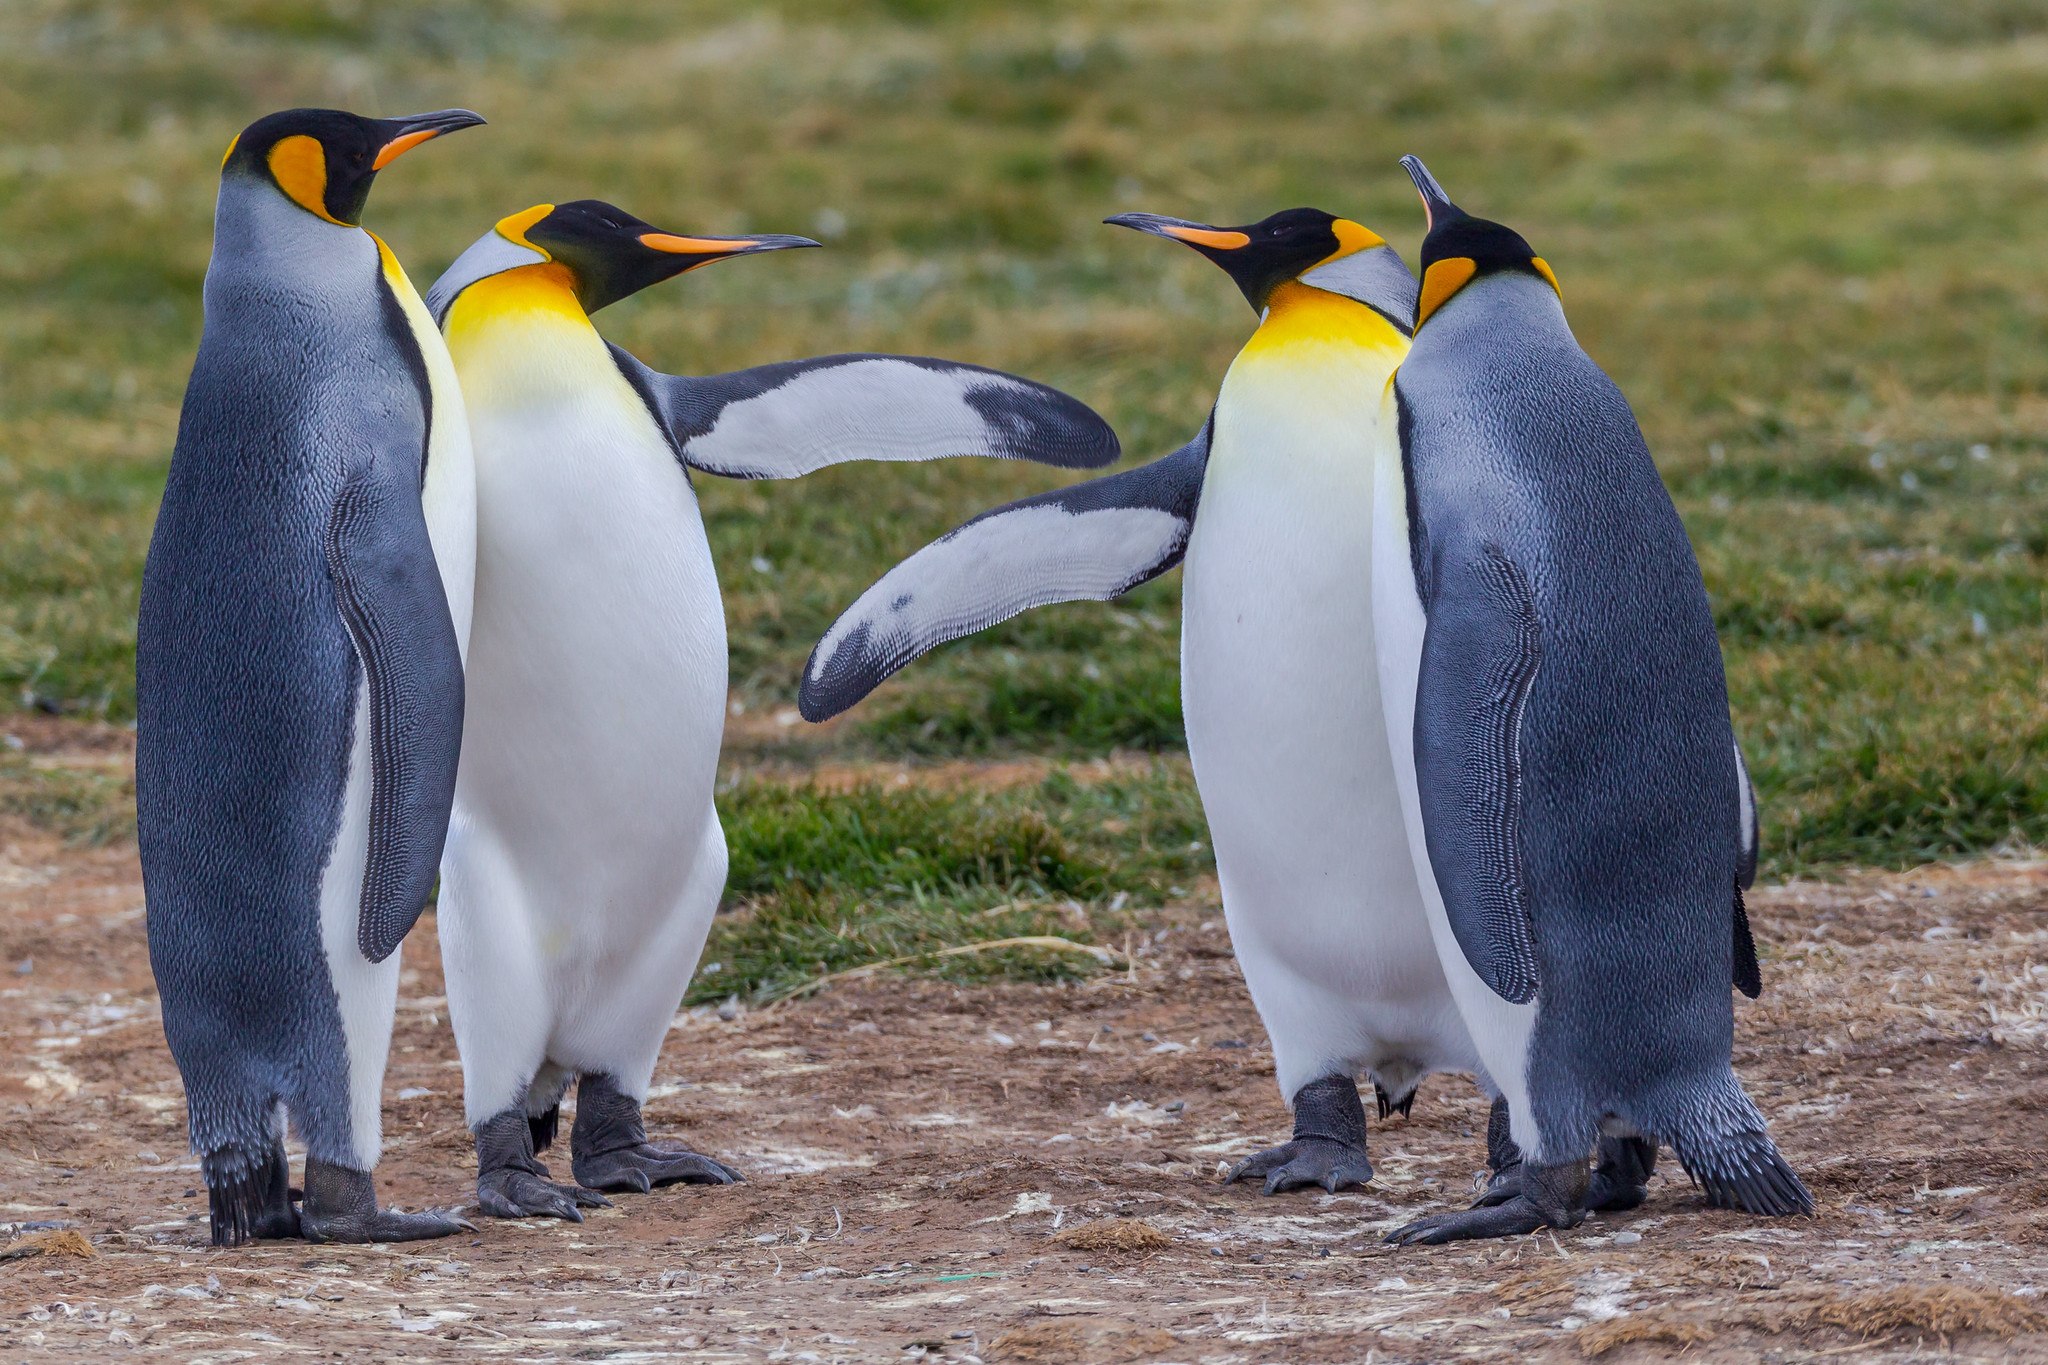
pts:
pixel 510 1192
pixel 512 1183
pixel 609 1150
pixel 644 1167
pixel 1328 1146
pixel 1511 1218
pixel 1551 1196
pixel 1620 1181
pixel 1306 1161
pixel 341 1206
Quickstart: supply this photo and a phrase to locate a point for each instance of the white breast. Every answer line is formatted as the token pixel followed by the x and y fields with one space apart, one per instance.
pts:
pixel 1281 689
pixel 598 671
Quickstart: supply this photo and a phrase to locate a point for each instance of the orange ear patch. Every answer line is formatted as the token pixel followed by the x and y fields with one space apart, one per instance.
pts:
pixel 225 156
pixel 1442 280
pixel 299 166
pixel 1543 269
pixel 1351 239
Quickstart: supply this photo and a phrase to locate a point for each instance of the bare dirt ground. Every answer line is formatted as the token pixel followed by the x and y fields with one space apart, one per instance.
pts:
pixel 936 1172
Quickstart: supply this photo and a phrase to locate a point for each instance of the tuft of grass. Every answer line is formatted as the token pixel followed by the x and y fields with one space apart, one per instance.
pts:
pixel 823 881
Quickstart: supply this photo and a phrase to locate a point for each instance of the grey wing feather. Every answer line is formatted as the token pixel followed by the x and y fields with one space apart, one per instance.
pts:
pixel 1091 542
pixel 392 601
pixel 1480 655
pixel 784 420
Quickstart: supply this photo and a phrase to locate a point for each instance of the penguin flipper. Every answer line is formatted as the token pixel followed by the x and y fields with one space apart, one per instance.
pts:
pixel 389 590
pixel 791 418
pixel 1750 831
pixel 1480 655
pixel 1088 542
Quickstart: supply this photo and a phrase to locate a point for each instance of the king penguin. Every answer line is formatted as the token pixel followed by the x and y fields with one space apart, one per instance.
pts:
pixel 1271 506
pixel 299 676
pixel 1578 808
pixel 586 858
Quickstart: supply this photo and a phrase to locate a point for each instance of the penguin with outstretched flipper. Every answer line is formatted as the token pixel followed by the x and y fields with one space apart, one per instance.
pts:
pixel 1570 774
pixel 1271 506
pixel 299 676
pixel 586 859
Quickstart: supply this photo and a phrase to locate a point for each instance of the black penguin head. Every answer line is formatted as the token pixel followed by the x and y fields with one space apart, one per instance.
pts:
pixel 1461 248
pixel 1264 255
pixel 324 159
pixel 610 254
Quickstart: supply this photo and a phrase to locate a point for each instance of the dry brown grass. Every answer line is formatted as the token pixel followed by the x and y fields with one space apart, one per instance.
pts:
pixel 55 1242
pixel 1122 1236
pixel 1598 1338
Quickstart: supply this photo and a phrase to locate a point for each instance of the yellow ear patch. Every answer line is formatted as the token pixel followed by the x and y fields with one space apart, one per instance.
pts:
pixel 233 143
pixel 1543 269
pixel 1351 239
pixel 1440 281
pixel 513 229
pixel 299 166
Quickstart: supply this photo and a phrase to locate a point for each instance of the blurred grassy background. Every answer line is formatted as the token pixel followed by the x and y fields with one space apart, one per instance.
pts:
pixel 1806 236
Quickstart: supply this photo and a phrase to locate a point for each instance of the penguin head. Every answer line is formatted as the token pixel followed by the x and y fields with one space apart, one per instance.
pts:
pixel 610 254
pixel 323 160
pixel 1460 248
pixel 1264 255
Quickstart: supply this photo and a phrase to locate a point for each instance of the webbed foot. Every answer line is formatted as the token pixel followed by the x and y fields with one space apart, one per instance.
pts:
pixel 609 1149
pixel 341 1206
pixel 1328 1146
pixel 512 1183
pixel 1551 1196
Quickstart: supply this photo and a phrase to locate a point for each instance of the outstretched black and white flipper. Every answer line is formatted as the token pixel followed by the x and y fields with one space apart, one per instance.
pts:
pixel 1090 542
pixel 794 417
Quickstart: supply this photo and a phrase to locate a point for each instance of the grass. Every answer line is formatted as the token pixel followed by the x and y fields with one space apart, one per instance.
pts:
pixel 1804 237
pixel 823 881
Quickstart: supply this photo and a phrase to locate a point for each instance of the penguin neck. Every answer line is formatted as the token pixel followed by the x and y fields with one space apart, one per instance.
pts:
pixel 522 334
pixel 1300 319
pixel 256 227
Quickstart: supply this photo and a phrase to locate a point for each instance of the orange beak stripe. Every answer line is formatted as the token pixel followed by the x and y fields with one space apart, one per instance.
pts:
pixel 1222 241
pixel 693 246
pixel 399 146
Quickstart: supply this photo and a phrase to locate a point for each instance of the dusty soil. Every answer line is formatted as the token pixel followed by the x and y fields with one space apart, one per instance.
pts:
pixel 935 1172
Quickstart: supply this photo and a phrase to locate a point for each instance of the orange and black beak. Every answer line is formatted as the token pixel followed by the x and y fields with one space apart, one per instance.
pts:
pixel 401 135
pixel 702 251
pixel 1261 256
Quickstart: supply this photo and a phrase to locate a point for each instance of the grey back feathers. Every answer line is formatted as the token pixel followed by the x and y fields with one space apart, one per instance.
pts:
pixel 1623 804
pixel 247 674
pixel 787 419
pixel 1090 542
pixel 1376 277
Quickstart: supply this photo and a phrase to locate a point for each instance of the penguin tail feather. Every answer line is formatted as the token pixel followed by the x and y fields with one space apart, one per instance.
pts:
pixel 242 1191
pixel 1744 1171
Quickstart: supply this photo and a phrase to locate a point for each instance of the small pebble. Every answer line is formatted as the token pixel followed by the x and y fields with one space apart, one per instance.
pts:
pixel 961 1336
pixel 1627 1239
pixel 730 1010
pixel 1174 1106
pixel 25 967
pixel 1297 1274
pixel 1215 1251
pixel 1258 1258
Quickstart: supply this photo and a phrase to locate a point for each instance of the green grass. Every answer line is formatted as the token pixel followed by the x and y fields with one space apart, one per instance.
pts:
pixel 1805 237
pixel 823 881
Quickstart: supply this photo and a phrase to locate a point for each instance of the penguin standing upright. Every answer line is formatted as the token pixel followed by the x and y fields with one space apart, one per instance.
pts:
pixel 299 676
pixel 1557 701
pixel 585 859
pixel 1272 508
